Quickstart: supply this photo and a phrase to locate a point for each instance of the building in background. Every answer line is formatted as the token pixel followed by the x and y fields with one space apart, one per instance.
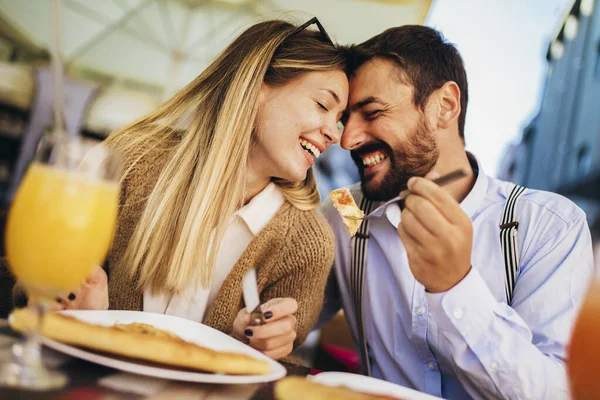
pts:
pixel 560 148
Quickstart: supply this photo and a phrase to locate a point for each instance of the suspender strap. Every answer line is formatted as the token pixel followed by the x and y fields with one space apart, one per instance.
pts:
pixel 357 274
pixel 508 241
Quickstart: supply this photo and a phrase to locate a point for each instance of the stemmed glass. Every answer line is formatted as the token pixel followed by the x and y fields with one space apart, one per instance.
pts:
pixel 60 227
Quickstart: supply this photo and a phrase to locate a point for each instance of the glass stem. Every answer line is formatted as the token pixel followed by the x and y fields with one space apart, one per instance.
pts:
pixel 33 347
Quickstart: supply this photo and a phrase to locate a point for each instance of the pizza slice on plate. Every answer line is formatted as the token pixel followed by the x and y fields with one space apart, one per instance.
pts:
pixel 139 341
pixel 296 388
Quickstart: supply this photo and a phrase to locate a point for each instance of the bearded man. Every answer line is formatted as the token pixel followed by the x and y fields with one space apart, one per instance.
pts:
pixel 469 290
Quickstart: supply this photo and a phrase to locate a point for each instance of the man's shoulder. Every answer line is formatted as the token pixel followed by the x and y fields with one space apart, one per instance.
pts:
pixel 538 206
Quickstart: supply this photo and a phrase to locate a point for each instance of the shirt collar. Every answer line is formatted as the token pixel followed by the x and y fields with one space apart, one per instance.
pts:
pixel 469 205
pixel 472 202
pixel 261 209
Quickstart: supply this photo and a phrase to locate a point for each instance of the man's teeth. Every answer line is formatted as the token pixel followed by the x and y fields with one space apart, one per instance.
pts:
pixel 312 150
pixel 376 159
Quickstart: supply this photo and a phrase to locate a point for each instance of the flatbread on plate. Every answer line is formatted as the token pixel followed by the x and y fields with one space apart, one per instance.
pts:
pixel 139 341
pixel 296 388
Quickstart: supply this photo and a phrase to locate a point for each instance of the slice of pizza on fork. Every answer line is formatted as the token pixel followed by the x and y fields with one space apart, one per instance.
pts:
pixel 346 206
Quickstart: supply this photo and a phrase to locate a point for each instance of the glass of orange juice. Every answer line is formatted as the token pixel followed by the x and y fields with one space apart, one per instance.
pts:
pixel 60 226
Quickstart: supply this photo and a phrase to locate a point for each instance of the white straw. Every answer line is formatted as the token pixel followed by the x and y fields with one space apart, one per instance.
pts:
pixel 57 65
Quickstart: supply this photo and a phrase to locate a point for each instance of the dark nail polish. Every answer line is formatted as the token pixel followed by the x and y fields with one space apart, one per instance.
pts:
pixel 268 314
pixel 71 296
pixel 248 332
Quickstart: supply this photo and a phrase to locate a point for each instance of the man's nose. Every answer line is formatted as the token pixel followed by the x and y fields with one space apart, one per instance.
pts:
pixel 353 135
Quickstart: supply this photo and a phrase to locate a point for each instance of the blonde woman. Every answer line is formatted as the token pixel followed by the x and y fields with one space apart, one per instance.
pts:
pixel 232 191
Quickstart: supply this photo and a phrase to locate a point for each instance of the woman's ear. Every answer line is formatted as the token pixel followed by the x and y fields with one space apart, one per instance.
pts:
pixel 449 104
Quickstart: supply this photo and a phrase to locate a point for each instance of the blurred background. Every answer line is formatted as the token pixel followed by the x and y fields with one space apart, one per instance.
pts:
pixel 533 68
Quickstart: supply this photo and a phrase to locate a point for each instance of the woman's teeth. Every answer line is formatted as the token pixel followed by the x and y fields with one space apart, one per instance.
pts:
pixel 373 160
pixel 310 149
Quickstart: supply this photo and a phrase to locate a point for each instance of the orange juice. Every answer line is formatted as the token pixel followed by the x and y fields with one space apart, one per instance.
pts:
pixel 60 226
pixel 584 349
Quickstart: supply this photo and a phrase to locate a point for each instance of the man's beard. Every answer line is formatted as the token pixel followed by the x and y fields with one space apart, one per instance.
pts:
pixel 415 157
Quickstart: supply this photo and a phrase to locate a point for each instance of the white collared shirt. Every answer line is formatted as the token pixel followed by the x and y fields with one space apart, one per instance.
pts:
pixel 467 342
pixel 244 225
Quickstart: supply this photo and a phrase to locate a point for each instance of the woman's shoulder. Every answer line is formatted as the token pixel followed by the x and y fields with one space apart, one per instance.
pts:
pixel 311 229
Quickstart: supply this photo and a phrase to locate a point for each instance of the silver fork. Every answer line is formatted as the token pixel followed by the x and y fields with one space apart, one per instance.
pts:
pixel 441 181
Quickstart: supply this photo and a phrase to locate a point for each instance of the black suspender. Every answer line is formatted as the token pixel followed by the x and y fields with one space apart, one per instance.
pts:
pixel 508 241
pixel 357 273
pixel 510 253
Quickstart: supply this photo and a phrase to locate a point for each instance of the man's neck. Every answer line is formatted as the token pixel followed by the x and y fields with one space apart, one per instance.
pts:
pixel 452 157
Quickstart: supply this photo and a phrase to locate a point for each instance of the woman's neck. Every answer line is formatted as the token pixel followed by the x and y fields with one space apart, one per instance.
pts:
pixel 255 183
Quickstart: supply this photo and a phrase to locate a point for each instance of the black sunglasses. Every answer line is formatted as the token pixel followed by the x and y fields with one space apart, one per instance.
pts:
pixel 313 20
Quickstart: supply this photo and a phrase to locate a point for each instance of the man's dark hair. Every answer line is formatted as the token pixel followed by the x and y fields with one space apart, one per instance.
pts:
pixel 425 60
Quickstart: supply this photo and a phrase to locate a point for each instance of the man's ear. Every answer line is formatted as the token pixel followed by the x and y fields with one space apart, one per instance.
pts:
pixel 449 104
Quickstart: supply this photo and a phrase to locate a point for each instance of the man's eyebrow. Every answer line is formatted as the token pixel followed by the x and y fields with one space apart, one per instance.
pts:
pixel 334 94
pixel 368 100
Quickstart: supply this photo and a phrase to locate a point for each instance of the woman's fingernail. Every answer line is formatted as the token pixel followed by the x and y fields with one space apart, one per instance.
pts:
pixel 410 182
pixel 71 296
pixel 268 314
pixel 248 332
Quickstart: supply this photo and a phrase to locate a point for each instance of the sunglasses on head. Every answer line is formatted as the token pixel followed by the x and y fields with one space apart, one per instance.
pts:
pixel 313 20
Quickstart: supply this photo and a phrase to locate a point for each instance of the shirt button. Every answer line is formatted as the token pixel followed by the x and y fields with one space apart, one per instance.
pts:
pixel 431 366
pixel 458 313
pixel 494 365
pixel 420 310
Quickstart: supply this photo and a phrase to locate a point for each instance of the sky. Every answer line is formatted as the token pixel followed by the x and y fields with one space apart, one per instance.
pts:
pixel 503 44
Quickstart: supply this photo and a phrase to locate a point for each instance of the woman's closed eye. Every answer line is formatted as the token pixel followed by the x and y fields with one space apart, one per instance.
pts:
pixel 322 106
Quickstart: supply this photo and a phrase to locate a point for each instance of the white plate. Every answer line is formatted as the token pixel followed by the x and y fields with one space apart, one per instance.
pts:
pixel 184 328
pixel 367 384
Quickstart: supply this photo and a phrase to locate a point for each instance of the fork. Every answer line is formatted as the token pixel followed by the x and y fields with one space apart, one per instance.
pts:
pixel 441 181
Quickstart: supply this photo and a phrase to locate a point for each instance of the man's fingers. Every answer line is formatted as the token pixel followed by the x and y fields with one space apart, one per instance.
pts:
pixel 410 244
pixel 426 215
pixel 279 308
pixel 416 229
pixel 440 198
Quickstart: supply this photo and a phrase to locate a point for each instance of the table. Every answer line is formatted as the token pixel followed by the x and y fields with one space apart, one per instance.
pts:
pixel 84 381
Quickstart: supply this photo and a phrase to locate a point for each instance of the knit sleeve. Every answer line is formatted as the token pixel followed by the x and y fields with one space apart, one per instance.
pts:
pixel 309 259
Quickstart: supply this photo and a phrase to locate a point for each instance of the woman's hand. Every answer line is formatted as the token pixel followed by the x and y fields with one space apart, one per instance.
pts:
pixel 92 295
pixel 276 337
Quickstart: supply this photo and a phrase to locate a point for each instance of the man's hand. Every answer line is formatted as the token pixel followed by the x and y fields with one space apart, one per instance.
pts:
pixel 437 236
pixel 92 295
pixel 276 337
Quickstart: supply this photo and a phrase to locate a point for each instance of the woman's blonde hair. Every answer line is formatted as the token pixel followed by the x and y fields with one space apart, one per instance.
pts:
pixel 203 182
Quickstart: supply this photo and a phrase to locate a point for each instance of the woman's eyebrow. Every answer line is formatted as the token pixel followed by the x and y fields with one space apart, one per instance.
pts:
pixel 334 94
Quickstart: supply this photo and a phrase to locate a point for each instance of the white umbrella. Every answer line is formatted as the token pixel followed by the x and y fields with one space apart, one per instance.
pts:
pixel 168 42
